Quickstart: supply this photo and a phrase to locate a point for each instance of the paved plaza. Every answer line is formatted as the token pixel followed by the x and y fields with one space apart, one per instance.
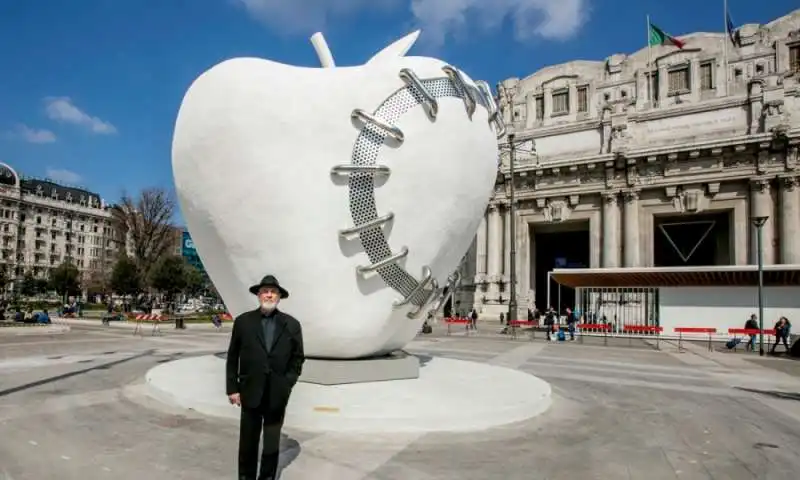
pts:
pixel 73 406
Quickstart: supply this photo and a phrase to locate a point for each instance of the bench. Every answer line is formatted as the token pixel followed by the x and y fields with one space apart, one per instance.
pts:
pixel 706 330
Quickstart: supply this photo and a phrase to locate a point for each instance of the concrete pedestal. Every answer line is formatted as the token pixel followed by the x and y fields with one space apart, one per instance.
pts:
pixel 448 396
pixel 396 366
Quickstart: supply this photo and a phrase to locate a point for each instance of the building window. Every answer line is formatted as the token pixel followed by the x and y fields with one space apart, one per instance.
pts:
pixel 561 102
pixel 540 107
pixel 794 58
pixel 583 99
pixel 653 86
pixel 706 76
pixel 679 80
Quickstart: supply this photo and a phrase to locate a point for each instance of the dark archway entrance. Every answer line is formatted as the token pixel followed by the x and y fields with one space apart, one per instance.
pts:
pixel 692 240
pixel 563 245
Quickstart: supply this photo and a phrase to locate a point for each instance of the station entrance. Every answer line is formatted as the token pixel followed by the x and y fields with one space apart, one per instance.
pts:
pixel 562 245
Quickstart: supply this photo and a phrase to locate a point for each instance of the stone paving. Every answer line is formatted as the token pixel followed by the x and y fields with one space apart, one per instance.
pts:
pixel 72 407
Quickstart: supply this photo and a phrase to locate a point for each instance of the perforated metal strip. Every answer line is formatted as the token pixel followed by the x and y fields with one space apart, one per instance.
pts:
pixel 362 186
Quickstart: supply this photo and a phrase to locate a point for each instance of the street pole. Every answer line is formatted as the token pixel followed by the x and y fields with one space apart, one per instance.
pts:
pixel 512 264
pixel 759 223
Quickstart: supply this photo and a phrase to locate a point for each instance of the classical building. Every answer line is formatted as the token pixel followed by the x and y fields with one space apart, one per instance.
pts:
pixel 618 169
pixel 43 223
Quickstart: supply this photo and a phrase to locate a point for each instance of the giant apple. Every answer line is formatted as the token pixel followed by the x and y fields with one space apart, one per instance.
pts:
pixel 359 187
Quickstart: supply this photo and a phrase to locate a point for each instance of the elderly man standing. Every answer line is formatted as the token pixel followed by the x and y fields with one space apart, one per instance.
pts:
pixel 265 360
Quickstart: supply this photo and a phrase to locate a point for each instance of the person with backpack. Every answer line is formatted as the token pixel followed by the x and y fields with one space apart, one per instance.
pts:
pixel 751 324
pixel 549 321
pixel 782 328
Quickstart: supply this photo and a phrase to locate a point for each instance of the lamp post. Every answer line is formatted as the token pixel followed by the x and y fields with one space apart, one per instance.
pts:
pixel 759 224
pixel 512 263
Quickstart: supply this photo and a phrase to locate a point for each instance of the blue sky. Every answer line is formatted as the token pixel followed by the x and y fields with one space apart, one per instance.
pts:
pixel 89 89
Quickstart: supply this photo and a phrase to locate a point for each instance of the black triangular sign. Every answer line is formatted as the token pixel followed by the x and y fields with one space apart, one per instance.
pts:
pixel 686 237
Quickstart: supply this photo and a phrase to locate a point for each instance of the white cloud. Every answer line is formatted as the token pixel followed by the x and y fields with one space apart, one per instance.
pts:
pixel 548 19
pixel 307 16
pixel 33 135
pixel 63 110
pixel 63 176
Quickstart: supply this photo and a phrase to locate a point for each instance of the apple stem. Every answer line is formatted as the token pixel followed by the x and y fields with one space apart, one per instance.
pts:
pixel 323 52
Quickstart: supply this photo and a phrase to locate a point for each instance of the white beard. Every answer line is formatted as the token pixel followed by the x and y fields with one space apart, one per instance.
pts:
pixel 268 306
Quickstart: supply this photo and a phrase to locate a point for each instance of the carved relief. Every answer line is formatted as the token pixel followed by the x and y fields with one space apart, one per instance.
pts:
pixel 591 175
pixel 734 161
pixel 760 186
pixel 610 198
pixel 790 184
pixel 650 172
pixel 791 157
pixel 556 210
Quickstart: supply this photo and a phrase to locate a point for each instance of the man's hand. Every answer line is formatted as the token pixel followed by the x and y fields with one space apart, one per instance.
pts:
pixel 235 399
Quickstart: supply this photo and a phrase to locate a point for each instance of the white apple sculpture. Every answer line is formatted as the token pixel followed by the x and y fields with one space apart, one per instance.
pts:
pixel 360 188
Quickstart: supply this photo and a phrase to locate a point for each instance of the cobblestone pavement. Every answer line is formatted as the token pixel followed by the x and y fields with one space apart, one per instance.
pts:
pixel 72 407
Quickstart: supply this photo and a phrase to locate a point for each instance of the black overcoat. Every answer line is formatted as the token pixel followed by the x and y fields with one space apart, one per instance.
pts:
pixel 253 370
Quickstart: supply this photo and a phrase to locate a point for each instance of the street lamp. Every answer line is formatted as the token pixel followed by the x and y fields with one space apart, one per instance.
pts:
pixel 512 231
pixel 759 224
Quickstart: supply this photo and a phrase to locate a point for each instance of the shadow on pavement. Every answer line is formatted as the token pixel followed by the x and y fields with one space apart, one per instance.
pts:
pixel 56 378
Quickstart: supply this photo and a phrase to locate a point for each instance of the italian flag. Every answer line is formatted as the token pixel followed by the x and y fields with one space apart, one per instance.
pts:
pixel 659 37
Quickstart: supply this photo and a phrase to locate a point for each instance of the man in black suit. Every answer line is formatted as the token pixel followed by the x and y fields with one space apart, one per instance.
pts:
pixel 265 359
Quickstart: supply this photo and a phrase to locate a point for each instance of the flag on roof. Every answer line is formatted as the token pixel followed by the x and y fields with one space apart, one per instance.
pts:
pixel 659 37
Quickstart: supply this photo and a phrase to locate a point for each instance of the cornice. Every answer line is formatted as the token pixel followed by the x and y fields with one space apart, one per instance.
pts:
pixel 709 106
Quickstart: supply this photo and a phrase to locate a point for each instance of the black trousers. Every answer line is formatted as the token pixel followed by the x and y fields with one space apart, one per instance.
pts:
pixel 254 422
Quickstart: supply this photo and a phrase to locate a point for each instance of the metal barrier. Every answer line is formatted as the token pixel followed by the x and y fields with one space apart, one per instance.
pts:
pixel 644 331
pixel 681 330
pixel 593 328
pixel 751 331
pixel 450 321
pixel 514 324
pixel 142 319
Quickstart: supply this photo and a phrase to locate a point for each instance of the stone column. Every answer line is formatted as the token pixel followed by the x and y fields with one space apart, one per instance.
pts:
pixel 761 205
pixel 494 251
pixel 790 221
pixel 507 243
pixel 480 249
pixel 631 228
pixel 523 263
pixel 610 230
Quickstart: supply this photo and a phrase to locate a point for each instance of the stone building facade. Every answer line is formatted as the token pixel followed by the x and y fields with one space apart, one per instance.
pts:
pixel 44 223
pixel 716 130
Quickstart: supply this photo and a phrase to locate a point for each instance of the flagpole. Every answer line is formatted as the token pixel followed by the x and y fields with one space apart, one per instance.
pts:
pixel 650 66
pixel 725 45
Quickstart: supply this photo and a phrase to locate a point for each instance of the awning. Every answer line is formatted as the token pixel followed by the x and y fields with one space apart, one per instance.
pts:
pixel 729 276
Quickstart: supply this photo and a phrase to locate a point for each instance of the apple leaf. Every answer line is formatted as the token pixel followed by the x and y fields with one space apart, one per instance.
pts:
pixel 396 49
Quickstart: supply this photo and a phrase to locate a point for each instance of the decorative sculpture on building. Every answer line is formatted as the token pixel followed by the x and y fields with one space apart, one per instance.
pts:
pixel 359 187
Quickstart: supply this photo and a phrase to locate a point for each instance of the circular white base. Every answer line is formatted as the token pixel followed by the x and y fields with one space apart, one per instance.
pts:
pixel 449 396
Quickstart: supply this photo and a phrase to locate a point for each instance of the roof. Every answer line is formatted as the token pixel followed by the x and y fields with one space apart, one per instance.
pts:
pixel 7 175
pixel 52 190
pixel 727 275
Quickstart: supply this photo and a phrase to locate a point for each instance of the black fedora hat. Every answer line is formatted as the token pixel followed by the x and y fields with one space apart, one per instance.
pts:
pixel 269 281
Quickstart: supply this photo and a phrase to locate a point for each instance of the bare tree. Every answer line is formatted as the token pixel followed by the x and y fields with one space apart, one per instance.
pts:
pixel 144 225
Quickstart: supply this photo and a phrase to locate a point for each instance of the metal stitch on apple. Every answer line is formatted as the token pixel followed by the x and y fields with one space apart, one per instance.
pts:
pixel 429 103
pixel 458 81
pixel 362 200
